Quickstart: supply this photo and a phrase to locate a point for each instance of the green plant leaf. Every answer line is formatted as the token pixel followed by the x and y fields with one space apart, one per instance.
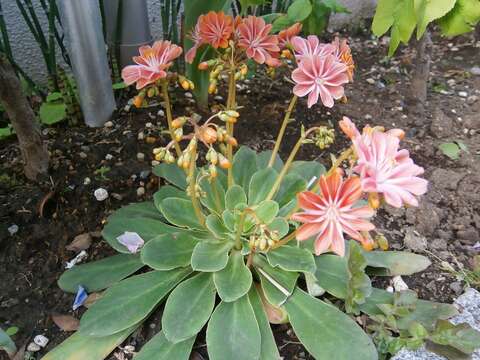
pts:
pixel 129 302
pixel 340 335
pixel 450 149
pixel 244 166
pixel 266 211
pixel 461 19
pixel 332 274
pixel 82 347
pixel 167 191
pixel 299 10
pixel 145 209
pixel 180 212
pixel 318 20
pixel 280 23
pixel 336 7
pixel 214 198
pixel 234 280
pixel 280 226
pixel 119 86
pixel 384 16
pixel 397 262
pixel 427 11
pixel 210 257
pixel 291 185
pixel 6 132
pixel 269 350
pixel 264 158
pixel 277 284
pixel 235 196
pixel 292 258
pixel 7 344
pixel 159 348
pixel 307 169
pixel 261 184
pixel 270 18
pixel 101 274
pixel 216 226
pixel 233 332
pixel 172 173
pixel 188 308
pixel 245 4
pixel 461 336
pixel 12 330
pixel 359 286
pixel 167 252
pixel 52 112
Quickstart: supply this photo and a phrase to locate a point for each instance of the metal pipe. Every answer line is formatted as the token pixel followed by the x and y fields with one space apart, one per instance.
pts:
pixel 134 23
pixel 83 32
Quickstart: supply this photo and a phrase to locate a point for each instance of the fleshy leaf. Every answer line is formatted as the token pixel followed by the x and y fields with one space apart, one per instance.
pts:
pixel 167 252
pixel 159 348
pixel 214 198
pixel 397 262
pixel 235 196
pixel 101 274
pixel 340 335
pixel 291 185
pixel 332 274
pixel 210 257
pixel 461 336
pixel 307 169
pixel 216 226
pixel 266 211
pixel 172 173
pixel 234 280
pixel 129 302
pixel 244 166
pixel 7 344
pixel 261 184
pixel 188 308
pixel 359 285
pixel 292 258
pixel 167 191
pixel 264 158
pixel 277 284
pixel 280 226
pixel 180 212
pixel 233 332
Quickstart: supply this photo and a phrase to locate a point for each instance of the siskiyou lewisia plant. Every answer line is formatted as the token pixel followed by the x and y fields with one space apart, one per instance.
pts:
pixel 236 240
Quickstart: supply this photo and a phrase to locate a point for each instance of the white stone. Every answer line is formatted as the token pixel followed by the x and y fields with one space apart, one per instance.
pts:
pixel 370 81
pixel 368 117
pixel 77 259
pixel 140 191
pixel 475 70
pixel 13 229
pixel 108 157
pixel 140 135
pixel 32 347
pixel 462 94
pixel 140 156
pixel 161 113
pixel 108 124
pixel 82 155
pixel 87 181
pixel 101 194
pixel 155 163
pixel 41 340
pixel 399 284
pixel 188 95
pixel 149 125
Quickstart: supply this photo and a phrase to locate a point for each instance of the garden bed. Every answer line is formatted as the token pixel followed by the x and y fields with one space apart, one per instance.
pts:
pixel 32 259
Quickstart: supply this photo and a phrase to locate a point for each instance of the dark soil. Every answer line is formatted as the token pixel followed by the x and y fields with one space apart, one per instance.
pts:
pixel 449 216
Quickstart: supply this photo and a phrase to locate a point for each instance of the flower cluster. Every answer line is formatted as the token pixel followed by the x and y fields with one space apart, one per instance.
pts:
pixel 380 171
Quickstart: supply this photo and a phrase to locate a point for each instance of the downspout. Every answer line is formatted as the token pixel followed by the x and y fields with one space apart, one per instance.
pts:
pixel 82 25
pixel 134 27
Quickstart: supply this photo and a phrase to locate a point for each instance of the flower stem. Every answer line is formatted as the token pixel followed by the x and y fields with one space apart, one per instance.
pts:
pixel 216 195
pixel 191 174
pixel 285 240
pixel 231 105
pixel 343 156
pixel 285 122
pixel 168 108
pixel 238 234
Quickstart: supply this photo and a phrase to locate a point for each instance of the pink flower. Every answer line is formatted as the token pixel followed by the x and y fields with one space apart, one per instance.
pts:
pixel 343 54
pixel 197 42
pixel 320 76
pixel 311 46
pixel 215 28
pixel 331 213
pixel 258 44
pixel 385 169
pixel 285 36
pixel 151 64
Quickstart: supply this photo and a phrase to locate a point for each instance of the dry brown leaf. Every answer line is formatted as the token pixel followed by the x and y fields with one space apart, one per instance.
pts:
pixel 91 299
pixel 80 242
pixel 66 322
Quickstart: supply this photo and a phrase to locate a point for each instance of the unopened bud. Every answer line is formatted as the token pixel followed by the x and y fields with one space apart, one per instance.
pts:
pixel 382 242
pixel 232 113
pixel 224 162
pixel 232 141
pixel 287 54
pixel 244 70
pixel 212 169
pixel 209 135
pixel 212 88
pixel 151 92
pixel 177 134
pixel 138 101
pixel 203 65
pixel 374 200
pixel 179 122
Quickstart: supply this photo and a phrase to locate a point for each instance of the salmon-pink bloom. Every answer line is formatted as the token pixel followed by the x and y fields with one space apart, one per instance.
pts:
pixel 320 76
pixel 285 36
pixel 311 46
pixel 343 54
pixel 385 169
pixel 215 28
pixel 331 213
pixel 197 42
pixel 151 64
pixel 349 128
pixel 259 45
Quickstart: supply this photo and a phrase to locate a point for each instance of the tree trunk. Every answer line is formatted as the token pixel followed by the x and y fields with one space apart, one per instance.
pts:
pixel 24 122
pixel 422 70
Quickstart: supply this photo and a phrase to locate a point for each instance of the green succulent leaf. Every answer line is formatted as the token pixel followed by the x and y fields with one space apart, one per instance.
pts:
pixel 7 344
pixel 359 285
pixel 229 219
pixel 277 284
pixel 268 349
pixel 159 348
pixel 167 252
pixel 291 185
pixel 172 173
pixel 81 347
pixel 280 23
pixel 214 198
pixel 129 302
pixel 261 184
pixel 235 196
pixel 264 158
pixel 234 280
pixel 397 262
pixel 210 257
pixel 427 11
pixel 461 336
pixel 244 166
pixel 461 19
pixel 340 335
pixel 101 274
pixel 307 169
pixel 280 226
pixel 332 274
pixel 450 149
pixel 188 308
pixel 266 211
pixel 53 112
pixel 145 209
pixel 299 10
pixel 233 332
pixel 180 212
pixel 167 191
pixel 216 226
pixel 292 258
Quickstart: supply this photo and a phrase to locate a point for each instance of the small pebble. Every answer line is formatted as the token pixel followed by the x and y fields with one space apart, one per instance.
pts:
pixel 101 194
pixel 108 157
pixel 82 155
pixel 140 135
pixel 108 124
pixel 155 163
pixel 140 191
pixel 13 229
pixel 370 81
pixel 127 108
pixel 188 95
pixel 161 113
pixel 41 340
pixel 368 117
pixel 87 181
pixel 117 196
pixel 399 284
pixel 149 125
pixel 144 174
pixel 140 156
pixel 475 70
pixel 32 347
pixel 462 94
pixel 218 98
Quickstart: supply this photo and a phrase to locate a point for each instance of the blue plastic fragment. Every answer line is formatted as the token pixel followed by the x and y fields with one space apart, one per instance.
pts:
pixel 80 297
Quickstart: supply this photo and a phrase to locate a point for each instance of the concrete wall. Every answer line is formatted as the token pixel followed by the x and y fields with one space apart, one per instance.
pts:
pixel 28 55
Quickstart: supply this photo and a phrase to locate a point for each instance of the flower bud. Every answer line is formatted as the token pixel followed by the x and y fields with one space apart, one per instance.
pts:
pixel 374 200
pixel 382 242
pixel 286 54
pixel 244 69
pixel 212 156
pixel 232 141
pixel 179 122
pixel 151 92
pixel 177 134
pixel 138 101
pixel 212 169
pixel 203 65
pixel 191 85
pixel 212 88
pixel 232 113
pixel 209 135
pixel 224 162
